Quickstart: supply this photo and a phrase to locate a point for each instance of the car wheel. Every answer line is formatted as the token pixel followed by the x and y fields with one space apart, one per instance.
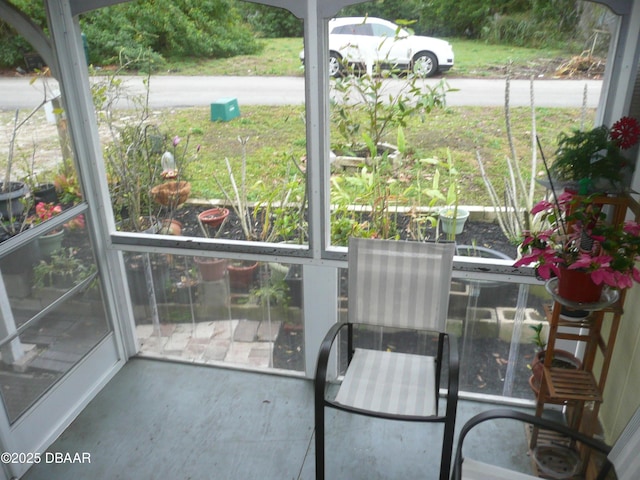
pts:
pixel 335 64
pixel 425 64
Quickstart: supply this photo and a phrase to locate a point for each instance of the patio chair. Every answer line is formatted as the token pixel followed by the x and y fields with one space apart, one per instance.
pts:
pixel 623 456
pixel 397 285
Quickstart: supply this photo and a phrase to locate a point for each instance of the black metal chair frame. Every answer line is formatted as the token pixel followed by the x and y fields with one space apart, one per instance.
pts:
pixel 505 413
pixel 452 396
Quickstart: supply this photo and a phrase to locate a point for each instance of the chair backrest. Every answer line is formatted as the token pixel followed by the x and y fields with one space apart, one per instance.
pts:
pixel 624 454
pixel 399 283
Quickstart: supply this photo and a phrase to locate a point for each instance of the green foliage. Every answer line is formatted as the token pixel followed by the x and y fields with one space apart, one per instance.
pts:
pixel 368 110
pixel 592 155
pixel 211 28
pixel 368 188
pixel 64 267
pixel 282 204
pixel 537 339
pixel 271 22
pixel 13 46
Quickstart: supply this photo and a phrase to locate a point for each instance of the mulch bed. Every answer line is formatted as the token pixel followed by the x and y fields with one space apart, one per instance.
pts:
pixel 477 233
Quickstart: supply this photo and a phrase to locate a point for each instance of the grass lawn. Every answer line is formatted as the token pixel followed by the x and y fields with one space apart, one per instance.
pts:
pixel 280 58
pixel 278 133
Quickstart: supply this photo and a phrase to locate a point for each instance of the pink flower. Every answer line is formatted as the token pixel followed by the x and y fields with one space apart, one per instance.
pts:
pixel 44 211
pixel 589 262
pixel 541 207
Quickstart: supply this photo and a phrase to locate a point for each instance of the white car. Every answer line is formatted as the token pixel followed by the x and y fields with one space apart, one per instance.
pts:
pixel 366 41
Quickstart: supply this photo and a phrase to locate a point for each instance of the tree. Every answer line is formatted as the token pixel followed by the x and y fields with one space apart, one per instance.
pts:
pixel 166 28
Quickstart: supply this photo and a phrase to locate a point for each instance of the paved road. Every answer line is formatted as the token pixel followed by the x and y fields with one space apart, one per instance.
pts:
pixel 175 91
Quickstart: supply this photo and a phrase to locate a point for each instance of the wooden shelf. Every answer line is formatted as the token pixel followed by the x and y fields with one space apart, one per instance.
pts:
pixel 571 385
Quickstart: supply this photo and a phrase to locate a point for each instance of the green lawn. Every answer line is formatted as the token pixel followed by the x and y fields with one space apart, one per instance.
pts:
pixel 278 133
pixel 280 58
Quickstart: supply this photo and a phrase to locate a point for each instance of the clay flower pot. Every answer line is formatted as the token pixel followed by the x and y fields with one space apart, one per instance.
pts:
pixel 211 269
pixel 213 217
pixel 242 274
pixel 561 359
pixel 172 193
pixel 171 227
pixel 577 286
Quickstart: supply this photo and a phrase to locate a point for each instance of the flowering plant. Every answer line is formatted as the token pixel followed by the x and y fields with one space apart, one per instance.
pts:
pixel 579 238
pixel 596 154
pixel 44 211
pixel 170 163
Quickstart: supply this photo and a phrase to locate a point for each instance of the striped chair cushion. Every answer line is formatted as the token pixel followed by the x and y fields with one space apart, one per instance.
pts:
pixel 473 470
pixel 389 382
pixel 396 283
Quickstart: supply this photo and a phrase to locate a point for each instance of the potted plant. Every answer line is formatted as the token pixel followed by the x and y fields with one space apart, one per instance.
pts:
pixel 241 273
pixel 12 193
pixel 174 191
pixel 211 269
pixel 452 216
pixel 62 270
pixel 595 158
pixel 561 359
pixel 212 218
pixel 579 247
pixel 52 241
pixel 452 219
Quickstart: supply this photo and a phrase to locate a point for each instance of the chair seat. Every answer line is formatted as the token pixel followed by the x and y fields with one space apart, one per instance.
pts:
pixel 474 470
pixel 389 382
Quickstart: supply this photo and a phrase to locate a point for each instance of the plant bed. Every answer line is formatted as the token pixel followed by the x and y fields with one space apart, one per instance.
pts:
pixel 480 233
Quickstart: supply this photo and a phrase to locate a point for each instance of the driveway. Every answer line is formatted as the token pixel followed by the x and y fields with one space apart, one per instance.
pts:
pixel 179 91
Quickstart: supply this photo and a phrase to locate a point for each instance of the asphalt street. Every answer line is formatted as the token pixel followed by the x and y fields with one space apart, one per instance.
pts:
pixel 181 91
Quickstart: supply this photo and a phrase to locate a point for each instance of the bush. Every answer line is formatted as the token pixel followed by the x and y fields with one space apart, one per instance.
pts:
pixel 271 22
pixel 166 28
pixel 12 46
pixel 212 29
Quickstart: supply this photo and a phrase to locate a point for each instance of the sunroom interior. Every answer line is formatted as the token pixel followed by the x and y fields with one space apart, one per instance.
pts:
pixel 121 377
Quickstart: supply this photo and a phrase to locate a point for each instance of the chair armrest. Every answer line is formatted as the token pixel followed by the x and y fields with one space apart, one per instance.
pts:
pixel 323 359
pixel 527 418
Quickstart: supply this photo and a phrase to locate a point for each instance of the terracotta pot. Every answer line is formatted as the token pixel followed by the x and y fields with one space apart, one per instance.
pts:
pixel 172 193
pixel 214 216
pixel 577 286
pixel 211 269
pixel 242 274
pixel 171 227
pixel 561 359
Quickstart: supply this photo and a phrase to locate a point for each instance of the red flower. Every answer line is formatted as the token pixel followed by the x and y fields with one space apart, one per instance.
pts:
pixel 625 132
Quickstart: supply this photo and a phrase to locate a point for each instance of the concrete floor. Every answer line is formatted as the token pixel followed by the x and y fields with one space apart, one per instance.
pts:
pixel 166 420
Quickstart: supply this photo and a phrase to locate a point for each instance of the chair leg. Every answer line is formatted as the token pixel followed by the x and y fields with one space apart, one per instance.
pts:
pixel 319 432
pixel 447 451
